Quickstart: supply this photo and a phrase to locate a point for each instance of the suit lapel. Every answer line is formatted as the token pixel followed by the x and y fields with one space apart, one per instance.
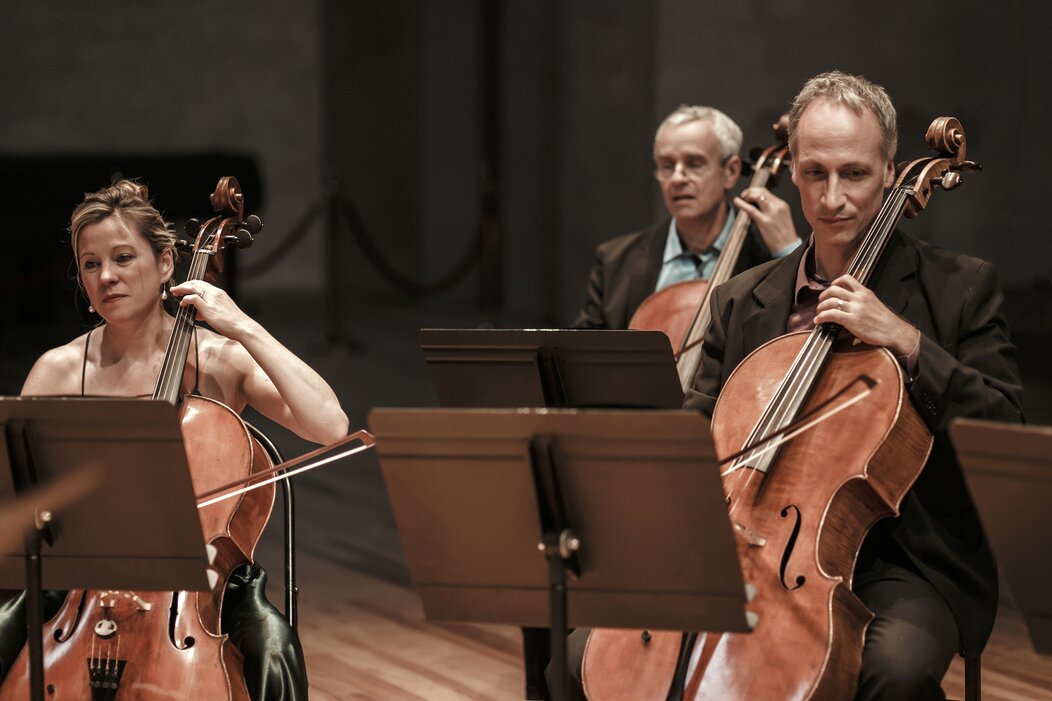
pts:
pixel 646 267
pixel 773 300
pixel 654 255
pixel 894 279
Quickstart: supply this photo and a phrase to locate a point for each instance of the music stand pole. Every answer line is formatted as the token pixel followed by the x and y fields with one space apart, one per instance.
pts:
pixel 35 614
pixel 20 459
pixel 560 546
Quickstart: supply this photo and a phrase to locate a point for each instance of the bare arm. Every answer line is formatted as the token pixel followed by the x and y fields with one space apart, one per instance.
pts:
pixel 274 380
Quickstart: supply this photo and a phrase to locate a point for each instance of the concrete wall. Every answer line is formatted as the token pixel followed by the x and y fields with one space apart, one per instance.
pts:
pixel 975 60
pixel 417 108
pixel 175 78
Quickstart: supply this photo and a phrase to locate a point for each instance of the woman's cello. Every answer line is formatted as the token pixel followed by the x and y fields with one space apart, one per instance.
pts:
pixel 682 310
pixel 153 645
pixel 801 509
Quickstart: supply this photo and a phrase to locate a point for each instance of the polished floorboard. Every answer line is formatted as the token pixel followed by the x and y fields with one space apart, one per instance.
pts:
pixel 362 626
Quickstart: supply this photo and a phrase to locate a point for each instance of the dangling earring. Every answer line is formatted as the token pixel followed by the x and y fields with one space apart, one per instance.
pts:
pixel 91 309
pixel 164 293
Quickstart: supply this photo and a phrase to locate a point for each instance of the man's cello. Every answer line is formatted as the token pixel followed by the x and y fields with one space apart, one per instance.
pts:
pixel 801 511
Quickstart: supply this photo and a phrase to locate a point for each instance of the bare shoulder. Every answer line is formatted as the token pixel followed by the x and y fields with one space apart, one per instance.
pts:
pixel 221 357
pixel 215 345
pixel 57 372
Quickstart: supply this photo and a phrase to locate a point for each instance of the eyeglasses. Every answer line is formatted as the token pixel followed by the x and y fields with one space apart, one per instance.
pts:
pixel 692 168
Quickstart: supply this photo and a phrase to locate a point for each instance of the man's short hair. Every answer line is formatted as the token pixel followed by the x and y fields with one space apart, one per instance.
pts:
pixel 727 132
pixel 854 92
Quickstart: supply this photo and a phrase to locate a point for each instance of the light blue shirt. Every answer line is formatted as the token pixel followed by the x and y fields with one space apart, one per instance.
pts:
pixel 679 264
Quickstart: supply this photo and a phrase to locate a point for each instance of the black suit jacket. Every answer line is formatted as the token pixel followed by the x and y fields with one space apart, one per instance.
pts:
pixel 626 271
pixel 966 369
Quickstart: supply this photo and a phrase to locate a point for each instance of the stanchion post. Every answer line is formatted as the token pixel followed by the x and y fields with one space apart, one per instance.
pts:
pixel 335 292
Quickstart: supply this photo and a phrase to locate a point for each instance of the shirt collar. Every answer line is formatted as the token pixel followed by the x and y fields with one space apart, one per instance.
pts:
pixel 674 245
pixel 806 277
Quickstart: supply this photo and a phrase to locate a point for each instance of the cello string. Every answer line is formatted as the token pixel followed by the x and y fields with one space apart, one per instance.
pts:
pixel 169 379
pixel 819 344
pixel 809 420
pixel 816 353
pixel 167 384
pixel 792 391
pixel 725 263
pixel 864 260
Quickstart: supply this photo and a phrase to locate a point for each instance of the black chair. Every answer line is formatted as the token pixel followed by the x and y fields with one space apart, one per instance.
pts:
pixel 291 592
pixel 972 676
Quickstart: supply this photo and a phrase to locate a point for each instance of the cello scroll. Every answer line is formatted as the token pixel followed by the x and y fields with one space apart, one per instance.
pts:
pixel 945 135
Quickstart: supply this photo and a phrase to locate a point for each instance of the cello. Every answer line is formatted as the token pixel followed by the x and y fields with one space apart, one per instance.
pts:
pixel 682 310
pixel 106 645
pixel 800 509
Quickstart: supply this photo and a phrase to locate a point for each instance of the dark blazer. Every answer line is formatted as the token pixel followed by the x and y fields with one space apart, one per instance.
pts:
pixel 626 271
pixel 966 369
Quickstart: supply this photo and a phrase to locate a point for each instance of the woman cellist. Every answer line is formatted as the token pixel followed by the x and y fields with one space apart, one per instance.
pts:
pixel 125 257
pixel 927 576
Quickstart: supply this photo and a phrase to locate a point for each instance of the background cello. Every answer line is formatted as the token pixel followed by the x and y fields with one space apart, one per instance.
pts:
pixel 681 310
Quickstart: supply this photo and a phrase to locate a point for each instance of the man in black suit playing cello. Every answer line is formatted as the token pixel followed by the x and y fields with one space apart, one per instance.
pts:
pixel 928 576
pixel 696 163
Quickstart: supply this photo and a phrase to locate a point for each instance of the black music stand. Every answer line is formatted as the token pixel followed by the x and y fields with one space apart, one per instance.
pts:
pixel 138 527
pixel 615 497
pixel 1009 472
pixel 586 368
pixel 477 368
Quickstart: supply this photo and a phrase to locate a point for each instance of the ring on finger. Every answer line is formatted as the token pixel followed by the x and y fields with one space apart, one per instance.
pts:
pixel 763 198
pixel 840 305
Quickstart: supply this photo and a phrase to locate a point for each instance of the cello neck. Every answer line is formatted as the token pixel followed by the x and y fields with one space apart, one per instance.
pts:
pixel 688 357
pixel 169 380
pixel 868 254
pixel 213 236
pixel 807 366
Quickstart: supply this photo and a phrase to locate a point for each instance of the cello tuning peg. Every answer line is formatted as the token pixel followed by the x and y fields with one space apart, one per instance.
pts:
pixel 191 226
pixel 183 245
pixel 950 180
pixel 253 223
pixel 240 238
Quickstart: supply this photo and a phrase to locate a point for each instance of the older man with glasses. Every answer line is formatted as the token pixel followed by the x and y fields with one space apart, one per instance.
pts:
pixel 696 163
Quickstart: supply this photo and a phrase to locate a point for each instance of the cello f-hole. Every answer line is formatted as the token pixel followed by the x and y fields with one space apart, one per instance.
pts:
pixel 789 546
pixel 173 619
pixel 61 635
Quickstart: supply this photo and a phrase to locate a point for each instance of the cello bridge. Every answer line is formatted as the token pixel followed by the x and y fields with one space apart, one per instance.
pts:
pixel 108 599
